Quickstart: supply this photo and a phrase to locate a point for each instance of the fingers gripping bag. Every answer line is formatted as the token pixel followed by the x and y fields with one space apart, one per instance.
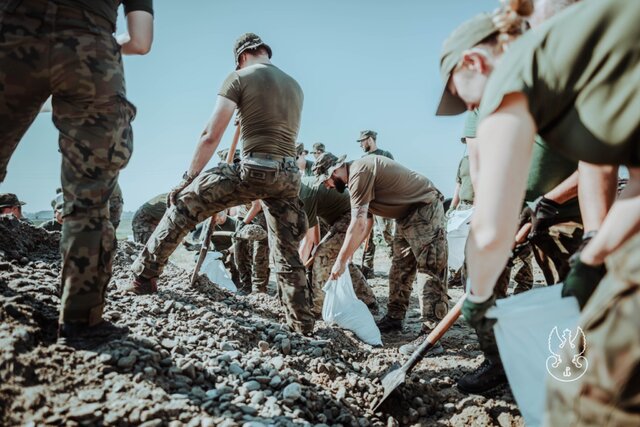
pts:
pixel 214 269
pixel 343 308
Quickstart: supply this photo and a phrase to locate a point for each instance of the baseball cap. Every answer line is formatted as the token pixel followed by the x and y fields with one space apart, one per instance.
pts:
pixel 366 134
pixel 466 36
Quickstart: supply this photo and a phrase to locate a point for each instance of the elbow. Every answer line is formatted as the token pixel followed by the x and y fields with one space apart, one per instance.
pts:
pixel 139 47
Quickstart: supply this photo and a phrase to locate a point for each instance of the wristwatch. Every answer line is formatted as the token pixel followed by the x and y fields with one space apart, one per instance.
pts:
pixel 187 177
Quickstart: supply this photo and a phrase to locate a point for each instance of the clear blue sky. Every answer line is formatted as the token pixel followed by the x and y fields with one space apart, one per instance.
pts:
pixel 362 65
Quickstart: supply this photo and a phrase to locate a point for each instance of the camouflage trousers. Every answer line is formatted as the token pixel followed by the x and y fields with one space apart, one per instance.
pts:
pixel 608 394
pixel 552 251
pixel 50 49
pixel 420 246
pixel 252 260
pixel 386 227
pixel 116 203
pixel 222 187
pixel 325 256
pixel 143 227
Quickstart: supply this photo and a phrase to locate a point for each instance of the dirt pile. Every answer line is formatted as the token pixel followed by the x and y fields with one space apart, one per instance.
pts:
pixel 202 356
pixel 21 241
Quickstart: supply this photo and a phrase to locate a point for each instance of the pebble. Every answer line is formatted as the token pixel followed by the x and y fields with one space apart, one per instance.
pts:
pixel 292 392
pixel 168 343
pixel 285 346
pixel 127 362
pixel 263 346
pixel 252 385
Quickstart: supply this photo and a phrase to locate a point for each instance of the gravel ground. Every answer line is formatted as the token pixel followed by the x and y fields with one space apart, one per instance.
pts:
pixel 202 357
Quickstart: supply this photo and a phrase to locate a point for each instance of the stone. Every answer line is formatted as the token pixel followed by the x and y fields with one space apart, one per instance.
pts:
pixel 127 362
pixel 252 385
pixel 292 392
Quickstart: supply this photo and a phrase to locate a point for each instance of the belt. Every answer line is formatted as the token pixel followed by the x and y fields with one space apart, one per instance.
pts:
pixel 275 157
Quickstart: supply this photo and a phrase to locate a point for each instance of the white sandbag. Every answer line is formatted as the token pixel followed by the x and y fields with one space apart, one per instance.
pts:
pixel 458 227
pixel 342 307
pixel 530 331
pixel 214 269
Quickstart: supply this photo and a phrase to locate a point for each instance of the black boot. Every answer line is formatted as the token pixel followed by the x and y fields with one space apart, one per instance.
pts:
pixel 489 375
pixel 389 324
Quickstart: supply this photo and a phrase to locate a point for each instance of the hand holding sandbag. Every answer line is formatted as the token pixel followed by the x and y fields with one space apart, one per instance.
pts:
pixel 582 281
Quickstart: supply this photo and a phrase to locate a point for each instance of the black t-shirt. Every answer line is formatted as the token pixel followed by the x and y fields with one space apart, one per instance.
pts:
pixel 108 9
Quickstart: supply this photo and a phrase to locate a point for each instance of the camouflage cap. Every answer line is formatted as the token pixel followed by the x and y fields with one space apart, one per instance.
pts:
pixel 466 36
pixel 9 200
pixel 366 134
pixel 319 146
pixel 325 165
pixel 252 232
pixel 299 148
pixel 245 42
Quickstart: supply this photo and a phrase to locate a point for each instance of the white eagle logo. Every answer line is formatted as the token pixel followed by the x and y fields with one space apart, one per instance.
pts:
pixel 567 362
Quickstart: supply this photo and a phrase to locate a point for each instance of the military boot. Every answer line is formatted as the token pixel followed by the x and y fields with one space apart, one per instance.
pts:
pixel 142 286
pixel 489 375
pixel 389 324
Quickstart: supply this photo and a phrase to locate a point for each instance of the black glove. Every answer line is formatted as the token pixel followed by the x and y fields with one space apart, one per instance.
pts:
pixel 586 238
pixel 582 280
pixel 541 213
pixel 474 314
pixel 186 180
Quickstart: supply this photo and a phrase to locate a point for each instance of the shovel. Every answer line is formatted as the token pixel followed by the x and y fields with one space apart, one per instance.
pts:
pixel 397 376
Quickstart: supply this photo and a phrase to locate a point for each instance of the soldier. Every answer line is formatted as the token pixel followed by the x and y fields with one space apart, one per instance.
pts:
pixel 388 189
pixel 369 145
pixel 252 255
pixel 73 57
pixel 579 96
pixel 334 208
pixel 55 224
pixel 116 203
pixel 318 149
pixel 270 121
pixel 301 160
pixel 11 205
pixel 147 218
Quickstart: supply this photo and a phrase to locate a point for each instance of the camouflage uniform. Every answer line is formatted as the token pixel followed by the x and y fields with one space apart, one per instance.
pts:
pixel 147 217
pixel 116 203
pixel 420 245
pixel 385 227
pixel 222 187
pixel 609 391
pixel 325 257
pixel 50 49
pixel 252 259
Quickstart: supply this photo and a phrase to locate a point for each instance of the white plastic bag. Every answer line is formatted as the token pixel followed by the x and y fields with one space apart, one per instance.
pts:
pixel 342 307
pixel 458 228
pixel 214 269
pixel 525 335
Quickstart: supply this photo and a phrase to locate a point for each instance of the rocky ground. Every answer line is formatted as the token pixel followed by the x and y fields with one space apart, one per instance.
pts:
pixel 202 356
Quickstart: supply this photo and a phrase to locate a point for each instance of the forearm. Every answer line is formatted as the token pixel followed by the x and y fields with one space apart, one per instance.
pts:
pixel 622 222
pixel 456 197
pixel 256 208
pixel 597 185
pixel 204 151
pixel 306 245
pixel 140 33
pixel 356 233
pixel 565 191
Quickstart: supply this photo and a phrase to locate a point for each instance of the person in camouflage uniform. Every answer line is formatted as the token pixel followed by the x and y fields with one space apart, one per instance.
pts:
pixel 55 224
pixel 147 217
pixel 73 56
pixel 390 190
pixel 318 149
pixel 301 159
pixel 334 209
pixel 270 123
pixel 384 227
pixel 11 205
pixel 116 203
pixel 252 255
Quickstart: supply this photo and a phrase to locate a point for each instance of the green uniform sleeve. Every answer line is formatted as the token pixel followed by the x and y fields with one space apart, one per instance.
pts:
pixel 231 88
pixel 470 124
pixel 133 5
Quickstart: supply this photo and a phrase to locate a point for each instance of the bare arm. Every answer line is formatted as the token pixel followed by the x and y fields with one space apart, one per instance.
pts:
pixel 140 37
pixel 622 222
pixel 356 233
pixel 256 208
pixel 210 138
pixel 456 197
pixel 565 191
pixel 596 191
pixel 505 140
pixel 310 239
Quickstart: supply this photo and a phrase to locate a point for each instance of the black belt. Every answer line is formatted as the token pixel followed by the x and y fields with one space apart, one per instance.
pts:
pixel 275 157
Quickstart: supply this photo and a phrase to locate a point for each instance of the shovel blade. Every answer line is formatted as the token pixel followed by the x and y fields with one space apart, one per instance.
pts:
pixel 391 381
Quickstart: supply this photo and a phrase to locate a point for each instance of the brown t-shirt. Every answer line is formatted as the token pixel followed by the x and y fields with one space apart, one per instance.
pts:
pixel 389 188
pixel 270 105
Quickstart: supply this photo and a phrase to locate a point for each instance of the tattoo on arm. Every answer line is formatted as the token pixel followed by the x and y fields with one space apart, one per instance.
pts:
pixel 360 212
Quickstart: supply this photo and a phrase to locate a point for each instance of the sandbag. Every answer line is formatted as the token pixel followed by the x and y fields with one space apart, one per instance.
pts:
pixel 531 330
pixel 343 308
pixel 214 269
pixel 458 227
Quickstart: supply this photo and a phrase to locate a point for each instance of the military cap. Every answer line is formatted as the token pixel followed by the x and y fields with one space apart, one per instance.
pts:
pixel 366 134
pixel 245 42
pixel 466 36
pixel 319 146
pixel 299 148
pixel 9 200
pixel 325 164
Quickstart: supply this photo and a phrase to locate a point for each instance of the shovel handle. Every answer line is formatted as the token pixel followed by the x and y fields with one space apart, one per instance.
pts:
pixel 436 334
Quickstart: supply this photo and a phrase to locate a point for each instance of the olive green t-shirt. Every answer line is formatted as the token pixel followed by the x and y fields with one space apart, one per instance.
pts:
pixel 470 124
pixel 463 178
pixel 270 105
pixel 580 72
pixel 389 188
pixel 320 202
pixel 154 208
pixel 308 168
pixel 108 9
pixel 379 152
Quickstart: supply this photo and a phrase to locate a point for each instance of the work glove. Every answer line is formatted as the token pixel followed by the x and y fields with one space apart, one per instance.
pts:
pixel 582 280
pixel 541 213
pixel 186 180
pixel 474 314
pixel 586 238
